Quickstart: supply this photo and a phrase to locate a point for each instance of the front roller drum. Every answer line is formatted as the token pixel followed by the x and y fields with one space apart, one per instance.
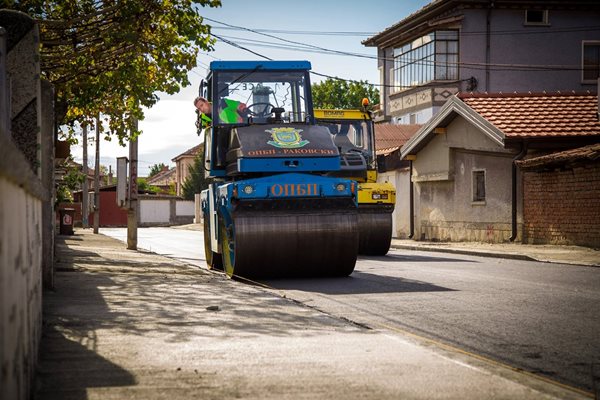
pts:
pixel 288 244
pixel 375 235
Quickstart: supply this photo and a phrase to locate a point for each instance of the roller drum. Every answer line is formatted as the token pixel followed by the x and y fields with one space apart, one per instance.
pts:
pixel 375 230
pixel 291 244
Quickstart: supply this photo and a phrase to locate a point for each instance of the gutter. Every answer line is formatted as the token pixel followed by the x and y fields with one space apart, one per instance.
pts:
pixel 411 203
pixel 519 156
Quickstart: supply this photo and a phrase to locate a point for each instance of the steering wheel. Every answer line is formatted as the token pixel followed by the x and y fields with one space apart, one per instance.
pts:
pixel 267 110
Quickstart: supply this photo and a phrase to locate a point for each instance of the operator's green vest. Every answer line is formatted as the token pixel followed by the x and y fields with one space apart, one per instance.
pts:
pixel 229 113
pixel 205 120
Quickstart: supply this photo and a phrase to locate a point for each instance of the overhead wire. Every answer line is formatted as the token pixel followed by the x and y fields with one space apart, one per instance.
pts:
pixel 298 46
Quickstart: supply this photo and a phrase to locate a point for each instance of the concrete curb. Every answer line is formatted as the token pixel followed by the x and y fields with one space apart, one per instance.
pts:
pixel 468 252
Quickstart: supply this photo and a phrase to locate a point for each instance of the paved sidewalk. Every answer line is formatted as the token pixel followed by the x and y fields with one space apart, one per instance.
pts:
pixel 134 325
pixel 576 255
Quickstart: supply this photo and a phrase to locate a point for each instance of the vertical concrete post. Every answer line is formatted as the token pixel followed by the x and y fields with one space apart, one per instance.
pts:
pixel 85 208
pixel 97 179
pixel 48 222
pixel 133 211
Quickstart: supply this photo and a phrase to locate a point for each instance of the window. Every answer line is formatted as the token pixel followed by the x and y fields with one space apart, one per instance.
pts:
pixel 536 17
pixel 478 185
pixel 430 57
pixel 591 61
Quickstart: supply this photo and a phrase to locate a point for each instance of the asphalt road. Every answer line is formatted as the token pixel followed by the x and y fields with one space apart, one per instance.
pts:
pixel 539 317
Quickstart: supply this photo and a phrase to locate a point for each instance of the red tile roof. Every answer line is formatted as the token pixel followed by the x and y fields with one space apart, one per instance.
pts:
pixel 538 115
pixel 168 174
pixel 189 152
pixel 390 137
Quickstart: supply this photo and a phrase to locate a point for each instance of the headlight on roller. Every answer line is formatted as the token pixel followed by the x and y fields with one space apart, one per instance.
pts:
pixel 379 196
pixel 248 189
pixel 340 187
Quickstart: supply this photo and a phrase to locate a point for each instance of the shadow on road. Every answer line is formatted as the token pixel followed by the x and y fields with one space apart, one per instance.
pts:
pixel 357 283
pixel 414 258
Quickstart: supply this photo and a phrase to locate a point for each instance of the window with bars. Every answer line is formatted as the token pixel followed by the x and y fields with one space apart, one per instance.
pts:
pixel 591 61
pixel 430 57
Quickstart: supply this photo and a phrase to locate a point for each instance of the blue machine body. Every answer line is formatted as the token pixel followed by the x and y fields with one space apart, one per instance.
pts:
pixel 273 161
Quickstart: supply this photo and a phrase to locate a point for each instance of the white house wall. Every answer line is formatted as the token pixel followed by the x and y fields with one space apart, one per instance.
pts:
pixel 401 216
pixel 443 176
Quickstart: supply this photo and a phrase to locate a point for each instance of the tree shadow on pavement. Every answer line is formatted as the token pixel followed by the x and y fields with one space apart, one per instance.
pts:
pixel 69 365
pixel 139 307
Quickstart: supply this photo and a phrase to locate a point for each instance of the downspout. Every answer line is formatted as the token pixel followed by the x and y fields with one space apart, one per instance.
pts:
pixel 488 28
pixel 411 203
pixel 519 156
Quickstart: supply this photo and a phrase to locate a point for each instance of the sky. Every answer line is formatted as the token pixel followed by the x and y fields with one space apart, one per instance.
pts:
pixel 169 126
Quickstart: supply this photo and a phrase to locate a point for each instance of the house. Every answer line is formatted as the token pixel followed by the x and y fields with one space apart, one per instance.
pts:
pixel 455 46
pixel 466 184
pixel 389 138
pixel 164 179
pixel 561 197
pixel 183 162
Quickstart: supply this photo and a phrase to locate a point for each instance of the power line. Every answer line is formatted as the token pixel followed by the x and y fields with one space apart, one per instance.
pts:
pixel 537 31
pixel 426 62
pixel 314 33
pixel 472 65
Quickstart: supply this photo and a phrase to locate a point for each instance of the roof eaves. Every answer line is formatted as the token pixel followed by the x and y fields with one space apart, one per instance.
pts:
pixel 409 22
pixel 453 107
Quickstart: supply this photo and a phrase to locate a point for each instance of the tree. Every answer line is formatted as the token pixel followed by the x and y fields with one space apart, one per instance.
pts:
pixel 156 168
pixel 195 182
pixel 341 94
pixel 143 186
pixel 112 56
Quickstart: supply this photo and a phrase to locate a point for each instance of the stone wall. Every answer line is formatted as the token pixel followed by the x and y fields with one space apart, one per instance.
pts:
pixel 563 206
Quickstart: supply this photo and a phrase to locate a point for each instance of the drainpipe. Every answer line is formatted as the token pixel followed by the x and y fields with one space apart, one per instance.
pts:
pixel 488 28
pixel 411 203
pixel 514 189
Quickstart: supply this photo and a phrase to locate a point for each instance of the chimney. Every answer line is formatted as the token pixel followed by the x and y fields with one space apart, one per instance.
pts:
pixel 110 175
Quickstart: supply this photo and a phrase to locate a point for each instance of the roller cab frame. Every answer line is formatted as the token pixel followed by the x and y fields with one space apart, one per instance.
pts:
pixel 276 205
pixel 353 133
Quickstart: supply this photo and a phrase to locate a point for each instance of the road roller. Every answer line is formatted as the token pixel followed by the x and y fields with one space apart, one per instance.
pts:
pixel 274 206
pixel 353 134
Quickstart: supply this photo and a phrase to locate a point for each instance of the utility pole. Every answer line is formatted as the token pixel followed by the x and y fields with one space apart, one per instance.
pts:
pixel 97 179
pixel 133 210
pixel 85 208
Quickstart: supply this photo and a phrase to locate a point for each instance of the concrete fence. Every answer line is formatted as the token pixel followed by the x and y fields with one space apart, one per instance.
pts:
pixel 26 183
pixel 165 210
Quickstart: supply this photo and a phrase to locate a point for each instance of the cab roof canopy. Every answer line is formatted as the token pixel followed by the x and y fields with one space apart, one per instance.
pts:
pixel 267 65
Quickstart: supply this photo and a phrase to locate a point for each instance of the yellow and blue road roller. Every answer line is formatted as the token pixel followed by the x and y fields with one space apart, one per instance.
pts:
pixel 275 206
pixel 353 133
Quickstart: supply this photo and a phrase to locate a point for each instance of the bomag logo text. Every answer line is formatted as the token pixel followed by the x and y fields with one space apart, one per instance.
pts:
pixel 294 189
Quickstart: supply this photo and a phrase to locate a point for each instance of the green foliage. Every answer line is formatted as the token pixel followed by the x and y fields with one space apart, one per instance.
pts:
pixel 110 57
pixel 71 181
pixel 341 94
pixel 195 181
pixel 144 186
pixel 155 169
